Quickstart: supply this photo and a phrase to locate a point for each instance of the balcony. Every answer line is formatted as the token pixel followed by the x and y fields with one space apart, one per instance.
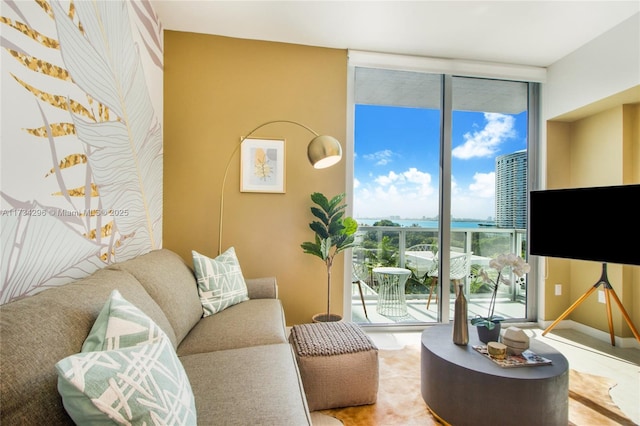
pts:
pixel 395 246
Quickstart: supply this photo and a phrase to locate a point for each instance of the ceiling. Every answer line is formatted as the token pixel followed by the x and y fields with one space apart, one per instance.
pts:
pixel 535 33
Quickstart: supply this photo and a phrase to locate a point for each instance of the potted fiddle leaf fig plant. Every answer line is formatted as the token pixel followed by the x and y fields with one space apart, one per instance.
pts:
pixel 334 233
pixel 489 327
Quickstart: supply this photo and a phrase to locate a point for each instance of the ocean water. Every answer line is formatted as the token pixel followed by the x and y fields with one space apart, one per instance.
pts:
pixel 405 223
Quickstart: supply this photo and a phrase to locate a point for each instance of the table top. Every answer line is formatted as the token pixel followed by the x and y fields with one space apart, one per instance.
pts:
pixel 438 340
pixel 391 271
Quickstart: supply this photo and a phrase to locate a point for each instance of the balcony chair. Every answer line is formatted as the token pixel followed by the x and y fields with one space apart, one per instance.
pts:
pixel 421 265
pixel 424 247
pixel 360 273
pixel 459 268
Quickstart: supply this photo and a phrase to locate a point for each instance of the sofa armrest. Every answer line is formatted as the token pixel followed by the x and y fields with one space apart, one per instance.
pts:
pixel 262 288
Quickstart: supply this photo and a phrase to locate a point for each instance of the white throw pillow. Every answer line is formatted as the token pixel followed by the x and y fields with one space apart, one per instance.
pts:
pixel 144 384
pixel 220 281
pixel 119 325
pixel 127 372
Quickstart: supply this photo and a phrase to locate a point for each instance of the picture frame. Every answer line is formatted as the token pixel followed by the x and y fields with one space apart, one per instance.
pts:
pixel 262 165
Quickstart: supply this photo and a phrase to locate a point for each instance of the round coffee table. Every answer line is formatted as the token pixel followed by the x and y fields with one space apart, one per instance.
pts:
pixel 462 387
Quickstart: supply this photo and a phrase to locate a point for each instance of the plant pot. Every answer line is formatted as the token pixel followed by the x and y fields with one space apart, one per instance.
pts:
pixel 485 335
pixel 326 318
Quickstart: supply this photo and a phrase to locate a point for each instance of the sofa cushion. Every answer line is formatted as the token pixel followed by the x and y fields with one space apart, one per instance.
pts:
pixel 220 281
pixel 143 384
pixel 121 325
pixel 38 331
pixel 251 323
pixel 249 386
pixel 171 283
pixel 262 288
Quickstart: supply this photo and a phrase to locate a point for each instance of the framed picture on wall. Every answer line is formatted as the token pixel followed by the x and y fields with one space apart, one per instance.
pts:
pixel 262 164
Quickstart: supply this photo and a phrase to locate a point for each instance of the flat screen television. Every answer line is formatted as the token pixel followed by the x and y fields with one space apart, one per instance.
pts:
pixel 598 223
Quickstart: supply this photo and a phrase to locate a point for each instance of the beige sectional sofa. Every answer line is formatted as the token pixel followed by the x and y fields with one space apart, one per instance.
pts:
pixel 240 366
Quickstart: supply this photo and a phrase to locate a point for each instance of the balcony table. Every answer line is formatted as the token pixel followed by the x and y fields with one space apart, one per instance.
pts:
pixel 462 387
pixel 391 298
pixel 423 261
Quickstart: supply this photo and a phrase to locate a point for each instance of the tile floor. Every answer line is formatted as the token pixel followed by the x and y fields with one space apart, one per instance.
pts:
pixel 584 353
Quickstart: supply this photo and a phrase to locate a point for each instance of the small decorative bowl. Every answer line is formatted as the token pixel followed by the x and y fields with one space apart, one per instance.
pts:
pixel 516 340
pixel 497 350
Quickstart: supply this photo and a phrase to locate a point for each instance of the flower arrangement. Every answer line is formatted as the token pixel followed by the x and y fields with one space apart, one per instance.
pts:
pixel 518 266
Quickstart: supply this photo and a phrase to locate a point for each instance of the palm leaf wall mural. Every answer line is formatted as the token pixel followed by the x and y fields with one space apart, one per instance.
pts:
pixel 91 151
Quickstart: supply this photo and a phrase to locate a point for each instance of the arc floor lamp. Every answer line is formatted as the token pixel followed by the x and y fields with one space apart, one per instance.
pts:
pixel 323 151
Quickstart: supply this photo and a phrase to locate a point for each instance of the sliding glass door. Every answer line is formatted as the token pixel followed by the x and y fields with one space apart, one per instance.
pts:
pixel 489 120
pixel 395 189
pixel 439 188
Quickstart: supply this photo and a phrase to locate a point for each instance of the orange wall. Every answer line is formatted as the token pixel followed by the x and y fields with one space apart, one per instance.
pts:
pixel 216 90
pixel 597 150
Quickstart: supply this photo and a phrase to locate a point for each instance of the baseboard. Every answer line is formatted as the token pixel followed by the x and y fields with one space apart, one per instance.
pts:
pixel 621 342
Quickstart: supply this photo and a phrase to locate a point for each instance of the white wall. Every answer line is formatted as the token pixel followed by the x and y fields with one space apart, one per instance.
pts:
pixel 81 140
pixel 604 67
pixel 600 75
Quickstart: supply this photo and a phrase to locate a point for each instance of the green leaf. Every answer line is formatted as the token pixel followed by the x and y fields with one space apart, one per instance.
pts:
pixel 320 200
pixel 336 209
pixel 339 239
pixel 350 226
pixel 336 217
pixel 336 227
pixel 312 248
pixel 325 248
pixel 320 214
pixel 336 200
pixel 347 241
pixel 486 322
pixel 320 229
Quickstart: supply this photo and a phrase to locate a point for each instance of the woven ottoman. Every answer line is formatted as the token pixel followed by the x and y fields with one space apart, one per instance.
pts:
pixel 338 364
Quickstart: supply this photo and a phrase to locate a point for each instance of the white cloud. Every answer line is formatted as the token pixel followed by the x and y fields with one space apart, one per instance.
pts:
pixel 476 201
pixel 485 142
pixel 381 158
pixel 484 185
pixel 409 193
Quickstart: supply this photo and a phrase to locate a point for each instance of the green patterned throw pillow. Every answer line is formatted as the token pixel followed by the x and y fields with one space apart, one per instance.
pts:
pixel 120 325
pixel 143 384
pixel 220 281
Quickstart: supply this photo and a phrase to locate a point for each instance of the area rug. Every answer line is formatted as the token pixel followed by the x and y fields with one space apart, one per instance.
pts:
pixel 400 400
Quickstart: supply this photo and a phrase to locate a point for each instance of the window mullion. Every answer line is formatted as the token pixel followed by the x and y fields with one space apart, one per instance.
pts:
pixel 444 232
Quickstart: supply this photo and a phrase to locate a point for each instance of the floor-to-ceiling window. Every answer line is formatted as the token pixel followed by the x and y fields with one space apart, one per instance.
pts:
pixel 395 187
pixel 489 137
pixel 440 172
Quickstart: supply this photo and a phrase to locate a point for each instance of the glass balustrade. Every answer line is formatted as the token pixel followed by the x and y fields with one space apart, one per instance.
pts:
pixel 416 249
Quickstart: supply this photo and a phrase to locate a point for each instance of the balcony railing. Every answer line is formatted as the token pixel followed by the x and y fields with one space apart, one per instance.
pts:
pixel 393 246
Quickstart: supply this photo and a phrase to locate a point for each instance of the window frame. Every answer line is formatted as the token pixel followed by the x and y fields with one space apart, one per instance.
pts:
pixel 448 69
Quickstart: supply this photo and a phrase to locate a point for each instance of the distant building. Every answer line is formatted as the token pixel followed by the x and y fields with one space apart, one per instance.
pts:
pixel 511 190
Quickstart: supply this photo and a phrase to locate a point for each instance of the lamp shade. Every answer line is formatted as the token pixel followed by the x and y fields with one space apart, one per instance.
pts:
pixel 324 151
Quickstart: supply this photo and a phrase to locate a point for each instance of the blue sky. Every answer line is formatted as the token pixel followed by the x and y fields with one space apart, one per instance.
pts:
pixel 397 160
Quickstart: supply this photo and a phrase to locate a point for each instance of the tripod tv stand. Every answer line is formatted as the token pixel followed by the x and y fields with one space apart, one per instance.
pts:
pixel 608 291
